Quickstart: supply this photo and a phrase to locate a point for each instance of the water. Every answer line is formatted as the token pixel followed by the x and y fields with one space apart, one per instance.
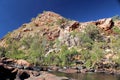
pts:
pixel 89 76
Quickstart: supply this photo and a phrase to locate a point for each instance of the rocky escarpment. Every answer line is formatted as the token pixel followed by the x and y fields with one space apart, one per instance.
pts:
pixel 50 39
pixel 55 26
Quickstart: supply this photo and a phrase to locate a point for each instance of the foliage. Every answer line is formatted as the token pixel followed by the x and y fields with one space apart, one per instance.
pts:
pixel 91 42
pixel 12 51
pixel 92 56
pixel 57 43
pixel 93 32
pixel 115 47
pixel 66 55
pixel 116 29
pixel 52 59
pixel 18 54
pixel 36 50
pixel 74 33
pixel 96 53
pixel 2 51
pixel 117 17
pixel 61 21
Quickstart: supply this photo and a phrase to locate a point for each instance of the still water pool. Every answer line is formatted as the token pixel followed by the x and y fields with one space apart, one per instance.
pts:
pixel 89 76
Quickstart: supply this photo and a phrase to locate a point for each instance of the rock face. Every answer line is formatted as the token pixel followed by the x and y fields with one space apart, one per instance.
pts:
pixel 52 31
pixel 105 24
pixel 73 25
pixel 54 26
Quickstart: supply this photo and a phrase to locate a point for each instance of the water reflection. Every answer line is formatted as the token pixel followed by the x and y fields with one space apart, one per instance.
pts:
pixel 89 76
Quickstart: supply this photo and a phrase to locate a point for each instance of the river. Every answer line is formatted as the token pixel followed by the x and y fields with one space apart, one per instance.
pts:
pixel 89 76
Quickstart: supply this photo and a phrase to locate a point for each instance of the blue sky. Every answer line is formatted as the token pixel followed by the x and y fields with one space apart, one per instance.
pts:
pixel 13 13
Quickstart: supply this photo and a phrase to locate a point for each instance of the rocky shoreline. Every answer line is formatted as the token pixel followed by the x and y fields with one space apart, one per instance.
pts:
pixel 25 72
pixel 9 70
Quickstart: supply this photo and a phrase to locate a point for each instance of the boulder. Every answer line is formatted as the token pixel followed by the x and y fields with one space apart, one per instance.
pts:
pixel 11 73
pixel 73 25
pixel 7 72
pixel 54 68
pixel 6 60
pixel 105 24
pixel 23 63
pixel 27 29
pixel 22 75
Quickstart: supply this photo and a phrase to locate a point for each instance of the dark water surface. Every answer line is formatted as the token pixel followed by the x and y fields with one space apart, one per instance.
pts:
pixel 89 76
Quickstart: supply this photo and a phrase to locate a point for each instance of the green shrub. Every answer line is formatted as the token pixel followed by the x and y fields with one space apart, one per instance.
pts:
pixel 61 21
pixel 37 50
pixel 66 55
pixel 15 54
pixel 52 59
pixel 88 63
pixel 2 51
pixel 116 29
pixel 85 55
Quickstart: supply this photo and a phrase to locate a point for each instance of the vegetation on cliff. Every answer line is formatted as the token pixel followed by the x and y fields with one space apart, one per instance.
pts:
pixel 53 40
